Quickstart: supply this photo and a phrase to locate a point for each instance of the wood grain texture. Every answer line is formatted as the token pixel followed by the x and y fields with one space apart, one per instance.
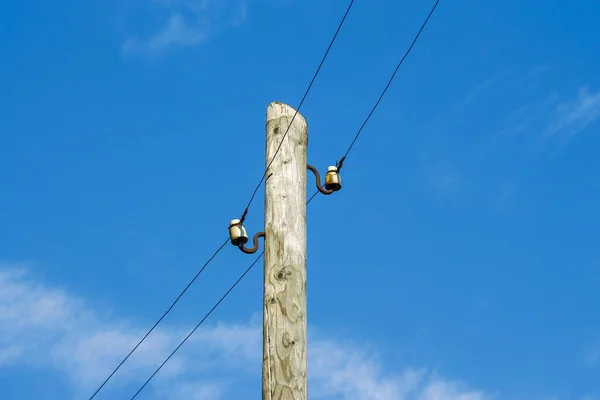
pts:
pixel 284 318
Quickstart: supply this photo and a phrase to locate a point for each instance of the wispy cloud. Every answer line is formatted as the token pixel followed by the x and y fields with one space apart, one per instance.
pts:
pixel 530 119
pixel 574 115
pixel 47 328
pixel 175 32
pixel 44 327
pixel 188 23
pixel 547 121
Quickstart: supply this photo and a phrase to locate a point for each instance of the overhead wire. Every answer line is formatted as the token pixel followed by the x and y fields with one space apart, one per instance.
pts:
pixel 247 206
pixel 339 166
pixel 159 320
pixel 197 326
pixel 308 202
pixel 312 197
pixel 243 217
pixel 202 320
pixel 387 86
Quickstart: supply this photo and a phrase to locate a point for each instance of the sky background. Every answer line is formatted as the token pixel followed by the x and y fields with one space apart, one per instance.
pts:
pixel 459 262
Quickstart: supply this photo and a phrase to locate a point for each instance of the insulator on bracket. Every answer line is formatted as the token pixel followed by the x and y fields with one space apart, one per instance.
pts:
pixel 333 179
pixel 237 233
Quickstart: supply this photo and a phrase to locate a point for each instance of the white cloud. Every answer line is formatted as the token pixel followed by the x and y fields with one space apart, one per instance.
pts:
pixel 574 115
pixel 349 370
pixel 189 23
pixel 194 391
pixel 355 373
pixel 175 32
pixel 42 326
pixel 538 124
pixel 48 328
pixel 442 390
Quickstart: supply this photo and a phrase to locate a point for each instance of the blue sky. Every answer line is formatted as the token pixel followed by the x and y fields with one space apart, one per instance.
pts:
pixel 460 261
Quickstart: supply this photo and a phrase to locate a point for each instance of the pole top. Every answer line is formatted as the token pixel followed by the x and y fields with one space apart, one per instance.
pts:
pixel 278 109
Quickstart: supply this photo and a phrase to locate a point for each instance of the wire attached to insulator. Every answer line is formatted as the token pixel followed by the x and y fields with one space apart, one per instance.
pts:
pixel 333 180
pixel 299 106
pixel 341 163
pixel 205 317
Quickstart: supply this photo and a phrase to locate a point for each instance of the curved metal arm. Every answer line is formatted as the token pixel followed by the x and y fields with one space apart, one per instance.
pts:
pixel 255 248
pixel 321 189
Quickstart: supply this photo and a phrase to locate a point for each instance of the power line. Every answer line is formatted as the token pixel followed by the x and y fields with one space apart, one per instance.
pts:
pixel 341 162
pixel 312 197
pixel 298 109
pixel 160 319
pixel 198 326
pixel 206 316
pixel 245 211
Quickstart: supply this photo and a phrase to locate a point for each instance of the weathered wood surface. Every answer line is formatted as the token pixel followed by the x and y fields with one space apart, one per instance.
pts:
pixel 284 318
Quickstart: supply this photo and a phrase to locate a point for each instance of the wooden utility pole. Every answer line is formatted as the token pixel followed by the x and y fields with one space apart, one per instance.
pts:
pixel 284 318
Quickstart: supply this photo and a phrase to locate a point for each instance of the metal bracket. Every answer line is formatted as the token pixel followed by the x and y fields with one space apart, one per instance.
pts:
pixel 318 178
pixel 255 240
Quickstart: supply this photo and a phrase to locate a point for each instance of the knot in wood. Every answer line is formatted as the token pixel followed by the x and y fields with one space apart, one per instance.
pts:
pixel 287 340
pixel 282 274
